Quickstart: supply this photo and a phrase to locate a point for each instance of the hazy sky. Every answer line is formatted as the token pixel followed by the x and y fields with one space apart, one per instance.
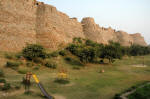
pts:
pixel 132 16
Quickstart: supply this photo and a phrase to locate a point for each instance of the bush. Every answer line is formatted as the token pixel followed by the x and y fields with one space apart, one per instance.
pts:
pixel 32 51
pixel 62 53
pixel 6 86
pixel 12 64
pixel 51 64
pixel 2 80
pixel 1 73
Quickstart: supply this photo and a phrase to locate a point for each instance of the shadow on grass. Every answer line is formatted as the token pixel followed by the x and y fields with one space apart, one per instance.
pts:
pixel 62 81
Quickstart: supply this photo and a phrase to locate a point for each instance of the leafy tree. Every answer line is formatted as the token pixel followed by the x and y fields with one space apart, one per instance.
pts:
pixel 75 48
pixel 111 51
pixel 89 51
pixel 87 54
pixel 136 50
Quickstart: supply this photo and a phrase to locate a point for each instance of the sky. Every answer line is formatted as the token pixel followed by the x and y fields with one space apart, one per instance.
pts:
pixel 132 16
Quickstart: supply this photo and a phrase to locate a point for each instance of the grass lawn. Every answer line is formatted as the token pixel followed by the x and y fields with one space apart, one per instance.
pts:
pixel 141 93
pixel 86 83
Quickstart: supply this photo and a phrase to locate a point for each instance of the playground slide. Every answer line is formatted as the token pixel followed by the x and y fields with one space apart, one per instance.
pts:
pixel 44 91
pixel 42 88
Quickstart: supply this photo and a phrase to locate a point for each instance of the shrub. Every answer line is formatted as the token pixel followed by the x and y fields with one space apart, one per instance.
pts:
pixel 32 51
pixel 51 64
pixel 6 86
pixel 2 80
pixel 1 73
pixel 62 53
pixel 12 64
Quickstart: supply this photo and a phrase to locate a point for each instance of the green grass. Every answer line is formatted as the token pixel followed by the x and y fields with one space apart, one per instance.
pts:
pixel 86 83
pixel 141 93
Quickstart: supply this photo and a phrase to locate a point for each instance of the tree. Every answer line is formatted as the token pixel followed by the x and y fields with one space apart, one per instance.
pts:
pixel 32 51
pixel 111 51
pixel 87 54
pixel 136 50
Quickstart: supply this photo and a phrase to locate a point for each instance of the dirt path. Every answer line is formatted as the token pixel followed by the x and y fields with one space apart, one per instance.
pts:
pixel 6 94
pixel 58 96
pixel 21 91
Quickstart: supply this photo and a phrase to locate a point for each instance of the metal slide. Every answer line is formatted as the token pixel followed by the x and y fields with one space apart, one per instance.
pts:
pixel 41 87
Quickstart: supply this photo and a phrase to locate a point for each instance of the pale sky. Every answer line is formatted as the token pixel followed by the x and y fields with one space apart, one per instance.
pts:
pixel 132 16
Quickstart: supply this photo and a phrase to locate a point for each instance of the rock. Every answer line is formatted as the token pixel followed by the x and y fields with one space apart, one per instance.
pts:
pixel 29 21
